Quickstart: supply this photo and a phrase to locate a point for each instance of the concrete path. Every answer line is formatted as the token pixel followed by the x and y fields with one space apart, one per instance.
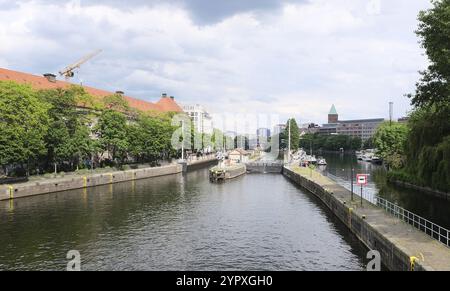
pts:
pixel 430 253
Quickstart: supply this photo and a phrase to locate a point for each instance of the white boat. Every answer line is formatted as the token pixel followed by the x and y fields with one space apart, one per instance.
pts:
pixel 367 158
pixel 312 160
pixel 322 162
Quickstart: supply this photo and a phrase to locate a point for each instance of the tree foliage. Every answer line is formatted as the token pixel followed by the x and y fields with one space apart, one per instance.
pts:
pixel 112 134
pixel 23 124
pixel 295 136
pixel 390 142
pixel 434 31
pixel 428 141
pixel 330 142
pixel 58 127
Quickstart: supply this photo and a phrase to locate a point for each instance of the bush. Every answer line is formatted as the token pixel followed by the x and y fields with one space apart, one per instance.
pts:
pixel 402 176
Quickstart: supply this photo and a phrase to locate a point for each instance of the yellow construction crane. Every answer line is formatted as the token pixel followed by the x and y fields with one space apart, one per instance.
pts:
pixel 68 72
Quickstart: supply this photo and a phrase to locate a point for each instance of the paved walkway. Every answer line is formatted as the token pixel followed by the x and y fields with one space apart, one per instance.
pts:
pixel 431 254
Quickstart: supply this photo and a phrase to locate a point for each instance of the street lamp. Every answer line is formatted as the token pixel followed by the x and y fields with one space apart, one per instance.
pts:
pixel 289 142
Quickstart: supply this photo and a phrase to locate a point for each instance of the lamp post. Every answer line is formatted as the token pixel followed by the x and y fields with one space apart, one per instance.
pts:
pixel 182 144
pixel 391 112
pixel 289 143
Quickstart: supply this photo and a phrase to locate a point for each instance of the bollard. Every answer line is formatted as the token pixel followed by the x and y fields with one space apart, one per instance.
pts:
pixel 350 211
pixel 11 192
pixel 412 261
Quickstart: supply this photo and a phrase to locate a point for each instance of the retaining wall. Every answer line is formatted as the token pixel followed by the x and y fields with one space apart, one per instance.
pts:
pixel 56 185
pixel 377 235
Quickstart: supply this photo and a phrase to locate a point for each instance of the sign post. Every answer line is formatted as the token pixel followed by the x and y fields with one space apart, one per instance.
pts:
pixel 351 176
pixel 361 179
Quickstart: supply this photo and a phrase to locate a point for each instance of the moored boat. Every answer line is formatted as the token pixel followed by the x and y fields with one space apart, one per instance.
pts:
pixel 222 173
pixel 377 160
pixel 321 162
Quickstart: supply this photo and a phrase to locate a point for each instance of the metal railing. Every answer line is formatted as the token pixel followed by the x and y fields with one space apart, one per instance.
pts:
pixel 433 230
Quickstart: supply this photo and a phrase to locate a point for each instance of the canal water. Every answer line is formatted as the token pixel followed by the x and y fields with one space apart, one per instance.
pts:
pixel 255 222
pixel 428 206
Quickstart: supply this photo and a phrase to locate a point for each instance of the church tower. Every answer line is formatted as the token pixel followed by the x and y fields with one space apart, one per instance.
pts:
pixel 333 116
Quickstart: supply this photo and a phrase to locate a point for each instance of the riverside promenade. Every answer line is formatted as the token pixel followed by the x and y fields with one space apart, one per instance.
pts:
pixel 401 246
pixel 80 181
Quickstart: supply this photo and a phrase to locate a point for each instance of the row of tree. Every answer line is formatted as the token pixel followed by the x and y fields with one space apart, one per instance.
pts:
pixel 330 142
pixel 64 129
pixel 419 152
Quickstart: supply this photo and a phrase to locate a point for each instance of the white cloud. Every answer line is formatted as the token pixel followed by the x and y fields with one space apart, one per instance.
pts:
pixel 294 61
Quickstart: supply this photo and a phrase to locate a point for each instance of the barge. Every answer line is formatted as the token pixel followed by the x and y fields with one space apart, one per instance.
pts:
pixel 222 173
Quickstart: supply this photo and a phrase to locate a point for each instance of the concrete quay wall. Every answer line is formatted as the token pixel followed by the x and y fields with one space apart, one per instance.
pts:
pixel 77 182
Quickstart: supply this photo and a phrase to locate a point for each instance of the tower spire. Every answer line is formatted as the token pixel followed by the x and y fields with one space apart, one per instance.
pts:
pixel 333 116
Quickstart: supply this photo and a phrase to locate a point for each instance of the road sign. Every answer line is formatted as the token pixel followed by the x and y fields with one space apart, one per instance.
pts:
pixel 361 179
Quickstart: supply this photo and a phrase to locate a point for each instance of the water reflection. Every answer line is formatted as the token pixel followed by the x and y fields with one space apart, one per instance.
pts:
pixel 255 222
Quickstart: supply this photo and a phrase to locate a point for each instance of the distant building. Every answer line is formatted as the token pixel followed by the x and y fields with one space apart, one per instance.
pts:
pixel 279 128
pixel 309 128
pixel 231 133
pixel 263 132
pixel 201 119
pixel 363 128
pixel 263 137
pixel 239 156
pixel 252 141
pixel 328 129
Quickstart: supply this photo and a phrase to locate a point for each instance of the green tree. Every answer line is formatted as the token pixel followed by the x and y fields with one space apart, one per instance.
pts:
pixel 112 133
pixel 428 150
pixel 242 142
pixel 390 141
pixel 295 134
pixel 355 143
pixel 434 32
pixel 116 102
pixel 23 124
pixel 368 143
pixel 68 137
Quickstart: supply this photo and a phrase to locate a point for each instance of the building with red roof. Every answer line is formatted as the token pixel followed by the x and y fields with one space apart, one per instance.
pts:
pixel 48 81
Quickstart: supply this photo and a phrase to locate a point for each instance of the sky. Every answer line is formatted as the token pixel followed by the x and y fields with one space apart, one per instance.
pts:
pixel 288 58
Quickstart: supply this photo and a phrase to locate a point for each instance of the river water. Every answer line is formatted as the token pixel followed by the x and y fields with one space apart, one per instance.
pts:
pixel 428 206
pixel 255 222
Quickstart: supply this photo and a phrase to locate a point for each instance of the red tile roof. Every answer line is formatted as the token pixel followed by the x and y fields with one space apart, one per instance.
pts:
pixel 165 104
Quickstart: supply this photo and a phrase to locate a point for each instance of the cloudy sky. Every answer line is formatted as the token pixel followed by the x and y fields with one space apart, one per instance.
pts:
pixel 285 57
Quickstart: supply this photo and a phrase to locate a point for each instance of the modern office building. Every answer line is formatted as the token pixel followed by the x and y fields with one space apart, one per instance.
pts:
pixel 263 137
pixel 263 132
pixel 363 128
pixel 279 128
pixel 201 119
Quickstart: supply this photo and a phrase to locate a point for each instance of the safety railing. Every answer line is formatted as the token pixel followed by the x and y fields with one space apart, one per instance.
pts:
pixel 433 230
